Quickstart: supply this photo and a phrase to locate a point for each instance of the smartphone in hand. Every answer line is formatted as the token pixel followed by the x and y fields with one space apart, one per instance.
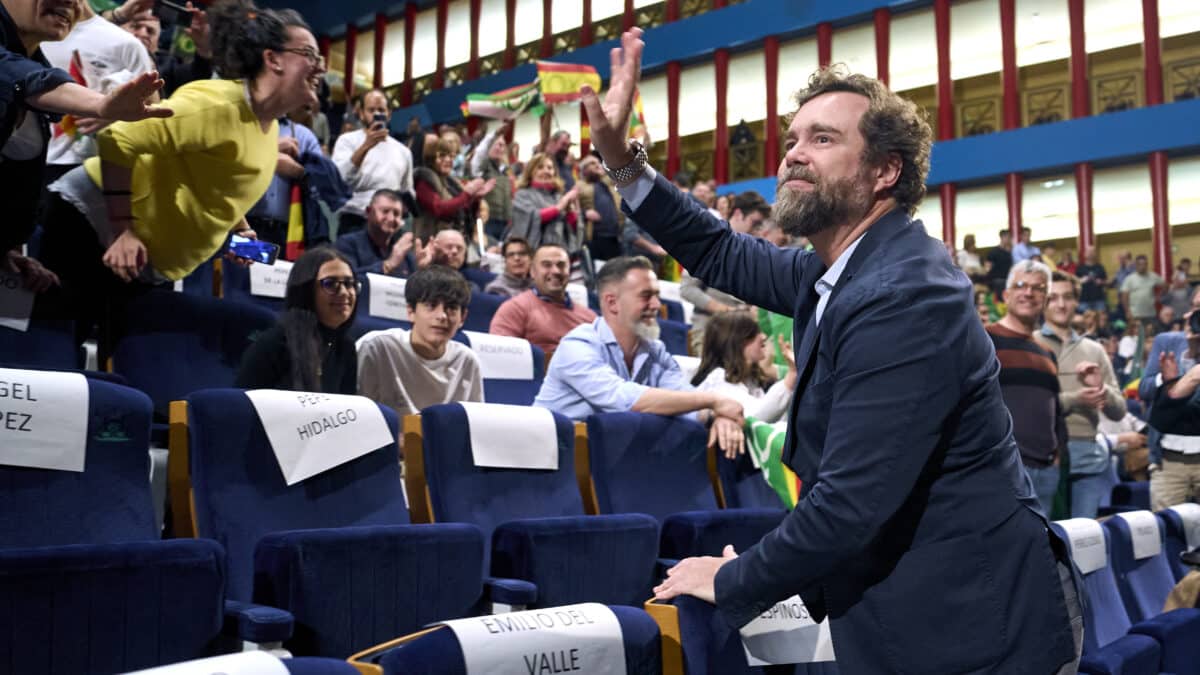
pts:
pixel 263 252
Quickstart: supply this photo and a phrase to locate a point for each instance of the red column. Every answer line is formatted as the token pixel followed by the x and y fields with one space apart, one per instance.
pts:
pixel 721 137
pixel 1081 104
pixel 510 33
pixel 771 144
pixel 585 29
pixel 948 193
pixel 410 27
pixel 348 70
pixel 439 75
pixel 323 45
pixel 945 85
pixel 1161 236
pixel 672 10
pixel 1083 196
pixel 718 4
pixel 883 29
pixel 824 44
pixel 473 64
pixel 1152 55
pixel 628 19
pixel 546 50
pixel 1012 194
pixel 584 143
pixel 380 40
pixel 672 118
pixel 1011 101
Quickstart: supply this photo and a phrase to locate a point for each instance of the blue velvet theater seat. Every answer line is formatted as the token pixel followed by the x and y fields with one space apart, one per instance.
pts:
pixel 48 343
pixel 1174 521
pixel 743 486
pixel 674 335
pixel 509 391
pixel 535 517
pixel 480 311
pixel 235 284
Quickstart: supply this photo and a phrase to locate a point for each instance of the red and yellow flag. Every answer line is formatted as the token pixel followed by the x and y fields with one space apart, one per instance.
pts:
pixel 295 229
pixel 560 82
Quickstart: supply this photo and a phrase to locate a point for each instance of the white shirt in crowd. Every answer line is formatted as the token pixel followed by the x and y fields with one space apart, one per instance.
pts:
pixel 392 373
pixel 387 165
pixel 109 57
pixel 765 406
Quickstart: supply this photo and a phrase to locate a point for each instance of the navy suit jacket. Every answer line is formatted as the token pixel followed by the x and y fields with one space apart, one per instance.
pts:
pixel 917 531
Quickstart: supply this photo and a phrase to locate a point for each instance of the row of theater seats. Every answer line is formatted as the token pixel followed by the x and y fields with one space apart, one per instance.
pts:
pixel 1129 565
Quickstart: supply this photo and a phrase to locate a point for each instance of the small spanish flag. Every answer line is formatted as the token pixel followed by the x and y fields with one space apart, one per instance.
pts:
pixel 560 82
pixel 295 230
pixel 67 124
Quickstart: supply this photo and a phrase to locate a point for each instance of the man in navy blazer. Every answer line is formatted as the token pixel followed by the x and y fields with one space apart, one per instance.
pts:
pixel 918 532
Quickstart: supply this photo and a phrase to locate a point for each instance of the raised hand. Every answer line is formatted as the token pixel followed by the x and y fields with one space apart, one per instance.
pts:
pixel 130 102
pixel 609 119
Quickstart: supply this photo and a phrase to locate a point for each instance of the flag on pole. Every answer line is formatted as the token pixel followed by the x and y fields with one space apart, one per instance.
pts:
pixel 295 229
pixel 560 82
pixel 764 444
pixel 507 104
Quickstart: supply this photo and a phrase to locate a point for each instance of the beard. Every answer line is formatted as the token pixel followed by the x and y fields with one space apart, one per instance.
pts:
pixel 647 332
pixel 831 202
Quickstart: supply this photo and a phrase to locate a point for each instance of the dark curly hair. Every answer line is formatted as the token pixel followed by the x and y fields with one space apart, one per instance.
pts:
pixel 891 125
pixel 241 31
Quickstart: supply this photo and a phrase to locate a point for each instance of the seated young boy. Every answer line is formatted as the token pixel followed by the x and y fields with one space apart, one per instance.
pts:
pixel 412 370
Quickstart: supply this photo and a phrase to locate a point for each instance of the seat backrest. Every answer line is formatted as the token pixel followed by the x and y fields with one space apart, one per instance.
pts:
pixel 674 335
pixel 1104 614
pixel 240 493
pixel 108 502
pixel 235 283
pixel 481 309
pixel 461 492
pixel 109 608
pixel 504 390
pixel 744 486
pixel 480 278
pixel 178 343
pixel 364 323
pixel 1181 527
pixel 48 343
pixel 649 464
pixel 674 310
pixel 1144 577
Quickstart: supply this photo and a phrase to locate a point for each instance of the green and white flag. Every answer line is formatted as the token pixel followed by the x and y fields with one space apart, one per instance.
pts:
pixel 507 104
pixel 764 443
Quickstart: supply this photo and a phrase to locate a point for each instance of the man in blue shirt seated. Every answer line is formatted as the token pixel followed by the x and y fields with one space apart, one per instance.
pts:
pixel 379 248
pixel 617 363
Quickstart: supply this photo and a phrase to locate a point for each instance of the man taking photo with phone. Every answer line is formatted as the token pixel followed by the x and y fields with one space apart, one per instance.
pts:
pixel 369 159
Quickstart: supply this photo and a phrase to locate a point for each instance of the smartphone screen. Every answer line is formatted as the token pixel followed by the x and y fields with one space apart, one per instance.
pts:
pixel 381 118
pixel 252 249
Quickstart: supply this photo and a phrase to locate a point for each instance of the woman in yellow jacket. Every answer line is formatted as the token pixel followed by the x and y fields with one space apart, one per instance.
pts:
pixel 163 194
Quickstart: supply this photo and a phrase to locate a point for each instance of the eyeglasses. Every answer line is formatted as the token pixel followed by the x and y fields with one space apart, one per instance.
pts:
pixel 331 285
pixel 313 58
pixel 1037 289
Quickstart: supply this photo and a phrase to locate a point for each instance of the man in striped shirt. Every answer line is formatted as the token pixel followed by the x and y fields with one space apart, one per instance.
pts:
pixel 1029 378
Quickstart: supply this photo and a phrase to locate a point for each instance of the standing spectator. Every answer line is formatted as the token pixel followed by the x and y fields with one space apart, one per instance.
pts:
pixel 380 248
pixel 1139 292
pixel 515 279
pixel 734 348
pixel 601 208
pixel 445 203
pixel 967 258
pixel 998 263
pixel 309 349
pixel 1124 269
pixel 490 162
pixel 1176 417
pixel 1066 263
pixel 371 160
pixel 1089 389
pixel 1184 269
pixel 1024 250
pixel 543 213
pixel 270 215
pixel 1178 295
pixel 724 206
pixel 544 313
pixel 1164 321
pixel 1048 256
pixel 175 70
pixel 1029 379
pixel 1093 279
pixel 558 148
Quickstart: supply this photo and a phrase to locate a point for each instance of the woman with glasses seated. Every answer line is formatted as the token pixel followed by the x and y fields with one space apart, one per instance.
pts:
pixel 309 349
pixel 164 194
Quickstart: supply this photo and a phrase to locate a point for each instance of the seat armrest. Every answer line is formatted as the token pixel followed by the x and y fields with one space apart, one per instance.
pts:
pixel 257 623
pixel 506 595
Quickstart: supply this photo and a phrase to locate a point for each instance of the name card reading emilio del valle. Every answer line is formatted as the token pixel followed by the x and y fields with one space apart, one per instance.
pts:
pixel 583 638
pixel 310 432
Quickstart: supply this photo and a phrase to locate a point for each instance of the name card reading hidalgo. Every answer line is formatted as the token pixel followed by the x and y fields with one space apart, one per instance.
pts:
pixel 43 419
pixel 584 638
pixel 270 281
pixel 387 297
pixel 311 433
pixel 786 633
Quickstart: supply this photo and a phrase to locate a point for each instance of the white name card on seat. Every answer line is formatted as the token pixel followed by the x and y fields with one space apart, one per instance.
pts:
pixel 502 357
pixel 512 436
pixel 584 638
pixel 786 633
pixel 1143 528
pixel 688 364
pixel 1189 513
pixel 256 662
pixel 16 302
pixel 312 432
pixel 1086 538
pixel 43 419
pixel 387 297
pixel 578 294
pixel 270 281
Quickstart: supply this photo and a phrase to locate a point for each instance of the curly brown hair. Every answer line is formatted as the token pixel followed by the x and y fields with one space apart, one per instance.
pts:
pixel 891 125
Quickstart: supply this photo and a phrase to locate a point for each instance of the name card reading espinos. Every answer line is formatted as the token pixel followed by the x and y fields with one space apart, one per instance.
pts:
pixel 270 281
pixel 387 297
pixel 311 432
pixel 584 638
pixel 786 633
pixel 43 419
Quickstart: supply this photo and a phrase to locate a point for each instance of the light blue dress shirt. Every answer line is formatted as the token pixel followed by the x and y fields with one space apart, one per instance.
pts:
pixel 276 203
pixel 588 374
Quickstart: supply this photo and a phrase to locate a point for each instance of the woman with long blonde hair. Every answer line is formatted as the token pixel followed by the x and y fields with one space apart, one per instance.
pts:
pixel 542 212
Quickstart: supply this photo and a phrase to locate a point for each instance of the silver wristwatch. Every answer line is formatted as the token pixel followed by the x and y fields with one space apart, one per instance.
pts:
pixel 626 174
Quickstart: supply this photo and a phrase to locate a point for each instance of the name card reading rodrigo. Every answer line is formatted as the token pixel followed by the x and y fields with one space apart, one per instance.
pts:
pixel 387 297
pixel 502 357
pixel 43 419
pixel 16 302
pixel 583 638
pixel 786 633
pixel 311 433
pixel 578 294
pixel 270 281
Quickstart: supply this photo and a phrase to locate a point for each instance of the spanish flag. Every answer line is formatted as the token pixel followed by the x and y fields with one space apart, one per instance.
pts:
pixel 67 124
pixel 295 230
pixel 560 82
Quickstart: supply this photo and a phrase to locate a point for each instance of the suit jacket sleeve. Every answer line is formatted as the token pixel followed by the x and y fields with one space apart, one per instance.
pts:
pixel 886 420
pixel 754 270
